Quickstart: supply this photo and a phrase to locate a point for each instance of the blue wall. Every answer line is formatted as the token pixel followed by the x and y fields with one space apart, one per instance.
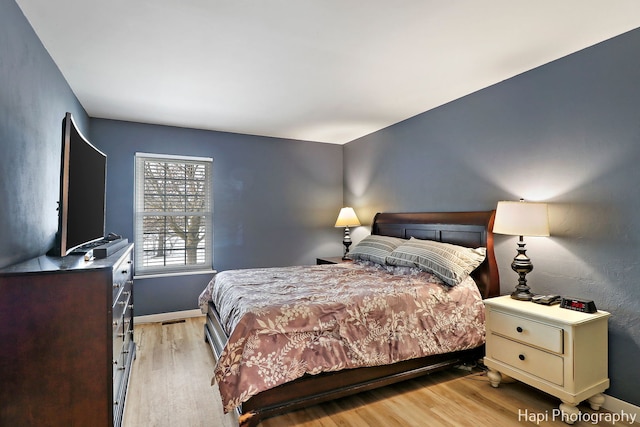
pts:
pixel 567 133
pixel 34 97
pixel 274 200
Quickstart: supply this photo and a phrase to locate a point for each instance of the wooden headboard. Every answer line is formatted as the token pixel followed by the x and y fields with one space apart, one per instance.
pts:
pixel 469 229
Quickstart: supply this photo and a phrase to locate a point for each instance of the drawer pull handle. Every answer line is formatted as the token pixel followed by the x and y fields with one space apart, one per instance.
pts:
pixel 116 285
pixel 521 357
pixel 519 329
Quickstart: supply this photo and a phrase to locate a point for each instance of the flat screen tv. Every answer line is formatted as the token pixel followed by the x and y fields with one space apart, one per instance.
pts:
pixel 83 179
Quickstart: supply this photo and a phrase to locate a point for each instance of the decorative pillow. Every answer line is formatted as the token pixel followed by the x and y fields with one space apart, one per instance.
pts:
pixel 375 248
pixel 451 263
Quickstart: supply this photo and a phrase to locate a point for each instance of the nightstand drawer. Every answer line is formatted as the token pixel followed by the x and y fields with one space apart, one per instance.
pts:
pixel 536 362
pixel 530 332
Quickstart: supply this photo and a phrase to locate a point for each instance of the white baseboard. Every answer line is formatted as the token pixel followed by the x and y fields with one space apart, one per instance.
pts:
pixel 618 406
pixel 166 317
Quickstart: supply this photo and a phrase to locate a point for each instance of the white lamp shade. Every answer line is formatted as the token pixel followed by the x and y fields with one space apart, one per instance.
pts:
pixel 522 219
pixel 347 218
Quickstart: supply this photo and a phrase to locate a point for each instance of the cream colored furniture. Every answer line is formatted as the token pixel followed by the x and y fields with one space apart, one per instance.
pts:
pixel 558 351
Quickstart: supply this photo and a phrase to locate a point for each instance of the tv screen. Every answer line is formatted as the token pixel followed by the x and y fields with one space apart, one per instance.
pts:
pixel 82 190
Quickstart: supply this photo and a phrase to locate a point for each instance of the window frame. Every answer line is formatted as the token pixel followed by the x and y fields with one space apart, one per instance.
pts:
pixel 142 270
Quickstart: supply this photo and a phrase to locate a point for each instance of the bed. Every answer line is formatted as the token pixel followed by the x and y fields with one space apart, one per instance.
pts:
pixel 463 229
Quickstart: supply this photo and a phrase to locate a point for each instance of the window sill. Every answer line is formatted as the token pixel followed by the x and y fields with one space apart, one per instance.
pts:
pixel 176 273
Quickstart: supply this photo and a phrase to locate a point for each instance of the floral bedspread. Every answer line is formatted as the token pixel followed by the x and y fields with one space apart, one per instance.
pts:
pixel 287 322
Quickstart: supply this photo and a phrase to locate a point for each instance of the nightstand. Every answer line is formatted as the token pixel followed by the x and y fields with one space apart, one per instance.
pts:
pixel 561 352
pixel 331 260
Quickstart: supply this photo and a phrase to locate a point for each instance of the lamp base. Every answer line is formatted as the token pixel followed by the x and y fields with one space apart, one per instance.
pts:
pixel 522 265
pixel 346 241
pixel 522 295
pixel 345 255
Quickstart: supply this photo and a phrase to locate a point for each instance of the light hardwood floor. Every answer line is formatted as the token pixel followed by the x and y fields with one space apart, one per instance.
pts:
pixel 170 381
pixel 170 386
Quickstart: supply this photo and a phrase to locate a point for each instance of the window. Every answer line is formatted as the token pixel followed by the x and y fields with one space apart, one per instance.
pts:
pixel 173 214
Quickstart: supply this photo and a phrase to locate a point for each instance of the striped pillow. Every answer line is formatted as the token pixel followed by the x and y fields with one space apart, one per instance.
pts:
pixel 451 263
pixel 375 248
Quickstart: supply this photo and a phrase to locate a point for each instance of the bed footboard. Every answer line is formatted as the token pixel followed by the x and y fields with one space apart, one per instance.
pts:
pixel 313 389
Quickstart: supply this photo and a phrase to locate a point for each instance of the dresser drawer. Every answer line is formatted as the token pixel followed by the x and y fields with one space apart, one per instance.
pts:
pixel 128 323
pixel 121 326
pixel 118 340
pixel 119 368
pixel 120 306
pixel 121 363
pixel 122 274
pixel 534 333
pixel 548 366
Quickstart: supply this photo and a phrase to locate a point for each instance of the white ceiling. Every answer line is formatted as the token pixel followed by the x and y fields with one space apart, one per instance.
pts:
pixel 317 70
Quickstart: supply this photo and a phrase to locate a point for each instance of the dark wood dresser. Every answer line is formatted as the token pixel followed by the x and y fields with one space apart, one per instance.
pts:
pixel 66 340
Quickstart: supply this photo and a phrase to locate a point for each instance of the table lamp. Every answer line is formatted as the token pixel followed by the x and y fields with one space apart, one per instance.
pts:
pixel 521 219
pixel 347 218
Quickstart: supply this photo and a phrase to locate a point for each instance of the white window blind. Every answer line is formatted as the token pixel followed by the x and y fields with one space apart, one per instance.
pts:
pixel 173 214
